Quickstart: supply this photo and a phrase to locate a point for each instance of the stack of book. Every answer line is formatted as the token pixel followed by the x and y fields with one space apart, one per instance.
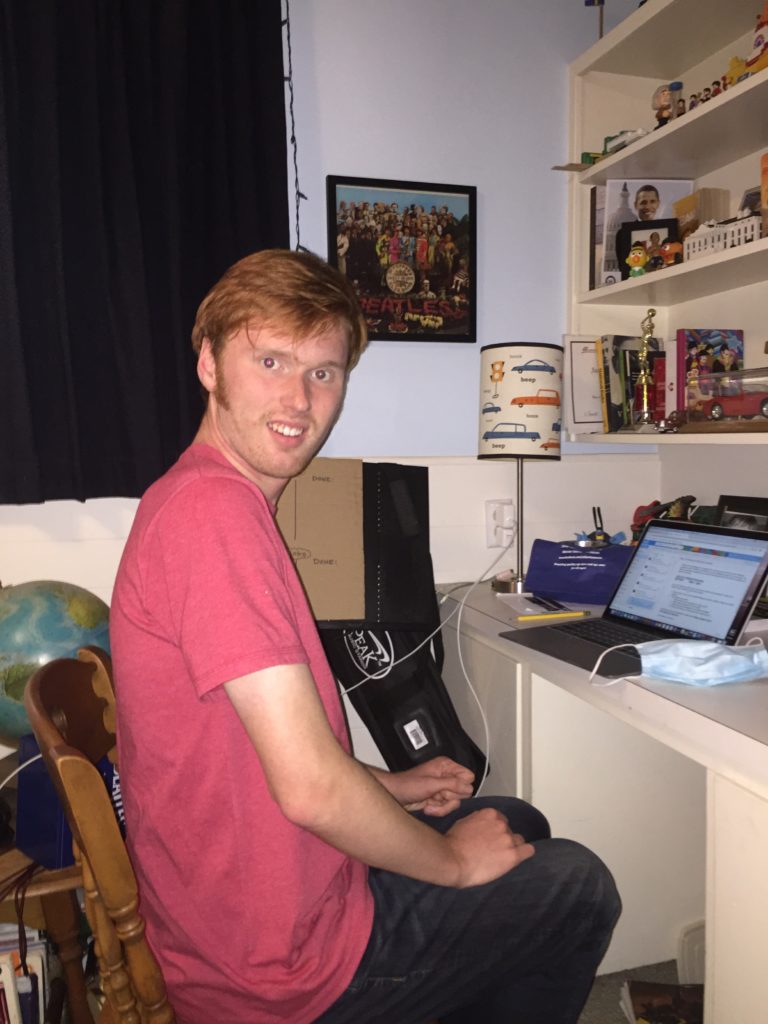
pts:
pixel 618 367
pixel 23 992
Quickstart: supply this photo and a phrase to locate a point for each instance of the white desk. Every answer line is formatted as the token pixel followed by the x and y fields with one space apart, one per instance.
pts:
pixel 668 783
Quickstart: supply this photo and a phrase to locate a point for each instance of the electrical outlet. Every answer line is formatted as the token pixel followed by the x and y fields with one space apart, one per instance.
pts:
pixel 499 522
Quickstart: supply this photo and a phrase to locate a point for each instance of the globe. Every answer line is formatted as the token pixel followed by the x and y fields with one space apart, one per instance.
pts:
pixel 40 621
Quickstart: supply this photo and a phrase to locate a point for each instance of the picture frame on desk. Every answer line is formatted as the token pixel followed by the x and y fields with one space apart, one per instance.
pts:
pixel 644 232
pixel 409 250
pixel 746 512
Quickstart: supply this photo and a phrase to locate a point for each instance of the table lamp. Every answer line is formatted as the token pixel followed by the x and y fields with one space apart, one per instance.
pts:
pixel 520 412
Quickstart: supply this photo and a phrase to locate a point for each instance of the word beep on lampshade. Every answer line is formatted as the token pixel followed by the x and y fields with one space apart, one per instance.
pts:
pixel 520 401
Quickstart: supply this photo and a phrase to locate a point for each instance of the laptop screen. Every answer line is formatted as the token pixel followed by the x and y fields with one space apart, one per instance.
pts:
pixel 693 580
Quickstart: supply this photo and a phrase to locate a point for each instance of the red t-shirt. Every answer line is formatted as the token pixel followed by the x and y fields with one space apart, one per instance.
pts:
pixel 253 919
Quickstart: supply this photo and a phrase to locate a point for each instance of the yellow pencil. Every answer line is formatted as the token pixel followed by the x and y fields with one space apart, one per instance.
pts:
pixel 552 615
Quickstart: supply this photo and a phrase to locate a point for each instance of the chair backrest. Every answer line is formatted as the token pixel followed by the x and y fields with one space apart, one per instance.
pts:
pixel 70 703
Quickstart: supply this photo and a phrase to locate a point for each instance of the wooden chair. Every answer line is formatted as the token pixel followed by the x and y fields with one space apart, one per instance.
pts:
pixel 70 702
pixel 71 706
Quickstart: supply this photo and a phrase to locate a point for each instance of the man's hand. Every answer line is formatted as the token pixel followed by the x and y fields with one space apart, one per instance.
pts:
pixel 485 847
pixel 319 787
pixel 436 787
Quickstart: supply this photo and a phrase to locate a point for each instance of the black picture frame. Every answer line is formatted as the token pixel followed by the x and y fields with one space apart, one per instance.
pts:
pixel 751 200
pixel 745 512
pixel 428 292
pixel 640 231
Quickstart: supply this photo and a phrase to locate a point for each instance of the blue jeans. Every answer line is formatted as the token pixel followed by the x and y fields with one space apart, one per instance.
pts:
pixel 522 949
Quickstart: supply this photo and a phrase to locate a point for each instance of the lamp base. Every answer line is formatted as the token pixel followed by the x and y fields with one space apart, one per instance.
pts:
pixel 508 582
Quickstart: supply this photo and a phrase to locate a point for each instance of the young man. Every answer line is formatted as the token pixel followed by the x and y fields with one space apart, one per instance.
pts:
pixel 281 880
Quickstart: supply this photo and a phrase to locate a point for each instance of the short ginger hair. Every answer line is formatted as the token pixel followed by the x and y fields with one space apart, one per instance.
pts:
pixel 296 293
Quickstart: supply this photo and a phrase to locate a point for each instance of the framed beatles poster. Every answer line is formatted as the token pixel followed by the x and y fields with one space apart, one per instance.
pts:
pixel 409 248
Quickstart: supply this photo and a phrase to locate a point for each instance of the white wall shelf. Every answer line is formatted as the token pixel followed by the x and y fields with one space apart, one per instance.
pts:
pixel 706 276
pixel 719 144
pixel 728 127
pixel 757 438
pixel 658 37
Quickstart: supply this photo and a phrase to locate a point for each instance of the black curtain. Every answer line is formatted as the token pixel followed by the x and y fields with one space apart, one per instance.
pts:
pixel 142 151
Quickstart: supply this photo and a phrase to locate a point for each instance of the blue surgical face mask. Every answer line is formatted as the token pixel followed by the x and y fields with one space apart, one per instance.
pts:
pixel 700 662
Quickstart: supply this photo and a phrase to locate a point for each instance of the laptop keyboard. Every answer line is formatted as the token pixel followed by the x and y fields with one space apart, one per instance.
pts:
pixel 607 634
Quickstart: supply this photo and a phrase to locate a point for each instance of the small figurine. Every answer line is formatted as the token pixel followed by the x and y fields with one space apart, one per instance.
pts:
pixel 662 104
pixel 680 107
pixel 653 248
pixel 758 58
pixel 637 259
pixel 706 94
pixel 671 252
pixel 694 101
pixel 678 508
pixel 716 88
pixel 737 71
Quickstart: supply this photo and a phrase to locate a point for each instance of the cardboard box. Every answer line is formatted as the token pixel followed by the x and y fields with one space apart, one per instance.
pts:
pixel 703 205
pixel 359 535
pixel 320 515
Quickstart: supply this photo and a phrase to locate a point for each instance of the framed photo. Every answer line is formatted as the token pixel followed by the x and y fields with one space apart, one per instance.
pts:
pixel 630 200
pixel 743 512
pixel 650 233
pixel 751 200
pixel 409 248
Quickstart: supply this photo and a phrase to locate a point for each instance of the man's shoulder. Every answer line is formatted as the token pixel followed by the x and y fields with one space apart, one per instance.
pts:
pixel 200 475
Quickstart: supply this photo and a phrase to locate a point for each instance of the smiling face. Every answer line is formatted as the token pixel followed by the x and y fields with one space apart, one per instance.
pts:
pixel 647 203
pixel 272 400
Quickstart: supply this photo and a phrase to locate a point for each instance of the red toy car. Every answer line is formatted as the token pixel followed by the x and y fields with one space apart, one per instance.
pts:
pixel 743 403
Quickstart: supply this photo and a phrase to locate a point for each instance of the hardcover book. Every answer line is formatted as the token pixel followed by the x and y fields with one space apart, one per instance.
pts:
pixel 654 1002
pixel 630 372
pixel 619 395
pixel 583 407
pixel 8 979
pixel 700 351
pixel 602 376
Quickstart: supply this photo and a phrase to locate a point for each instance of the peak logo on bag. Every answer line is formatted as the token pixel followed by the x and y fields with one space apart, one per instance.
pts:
pixel 368 652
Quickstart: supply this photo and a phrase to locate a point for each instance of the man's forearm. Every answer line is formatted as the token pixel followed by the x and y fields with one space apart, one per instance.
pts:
pixel 319 787
pixel 356 813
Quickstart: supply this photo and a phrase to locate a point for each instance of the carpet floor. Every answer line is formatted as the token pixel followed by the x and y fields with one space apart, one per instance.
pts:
pixel 603 1003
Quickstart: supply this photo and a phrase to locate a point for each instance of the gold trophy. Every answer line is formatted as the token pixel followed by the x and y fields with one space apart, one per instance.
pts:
pixel 642 405
pixel 643 411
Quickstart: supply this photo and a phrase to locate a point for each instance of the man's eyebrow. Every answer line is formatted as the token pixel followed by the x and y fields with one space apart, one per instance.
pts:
pixel 332 362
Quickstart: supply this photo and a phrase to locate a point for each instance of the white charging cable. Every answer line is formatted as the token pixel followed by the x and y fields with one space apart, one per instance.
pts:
pixel 16 771
pixel 459 611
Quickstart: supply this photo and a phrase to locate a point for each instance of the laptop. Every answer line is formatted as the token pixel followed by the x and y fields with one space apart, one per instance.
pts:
pixel 684 580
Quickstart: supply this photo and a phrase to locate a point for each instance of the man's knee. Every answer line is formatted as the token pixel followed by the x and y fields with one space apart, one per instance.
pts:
pixel 577 871
pixel 522 816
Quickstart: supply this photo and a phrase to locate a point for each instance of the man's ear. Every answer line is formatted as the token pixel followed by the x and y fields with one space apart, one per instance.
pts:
pixel 206 366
